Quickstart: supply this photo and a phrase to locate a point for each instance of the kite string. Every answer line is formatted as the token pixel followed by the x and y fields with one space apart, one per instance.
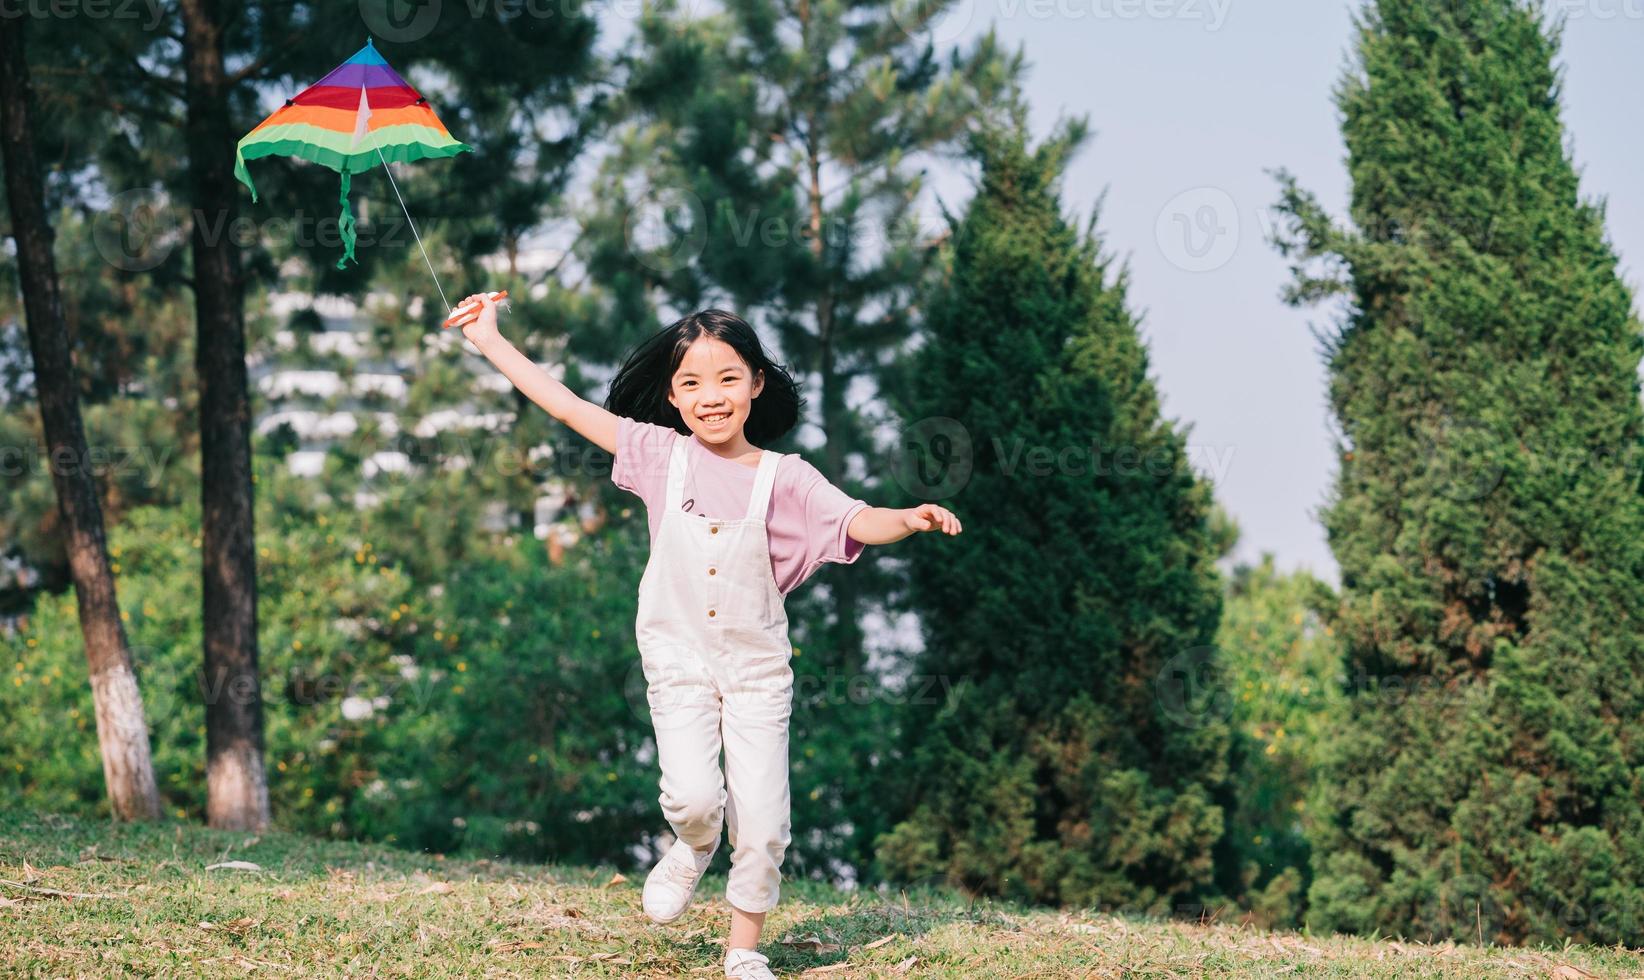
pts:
pixel 413 225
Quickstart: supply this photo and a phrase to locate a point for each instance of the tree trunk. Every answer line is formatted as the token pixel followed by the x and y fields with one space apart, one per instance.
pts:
pixel 236 784
pixel 847 631
pixel 122 731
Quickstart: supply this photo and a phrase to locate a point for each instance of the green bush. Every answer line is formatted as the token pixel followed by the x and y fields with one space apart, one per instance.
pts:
pixel 536 741
pixel 332 621
pixel 1282 663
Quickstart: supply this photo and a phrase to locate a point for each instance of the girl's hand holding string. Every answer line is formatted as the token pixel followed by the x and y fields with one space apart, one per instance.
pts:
pixel 592 421
pixel 483 329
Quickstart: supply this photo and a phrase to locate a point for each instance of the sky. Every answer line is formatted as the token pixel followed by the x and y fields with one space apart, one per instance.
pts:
pixel 1193 104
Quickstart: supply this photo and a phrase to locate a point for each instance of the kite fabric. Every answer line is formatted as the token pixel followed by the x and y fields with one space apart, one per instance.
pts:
pixel 360 114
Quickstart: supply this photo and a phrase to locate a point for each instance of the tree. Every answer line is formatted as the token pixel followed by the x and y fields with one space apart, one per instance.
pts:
pixel 236 783
pixel 1486 514
pixel 1077 761
pixel 122 731
pixel 1281 660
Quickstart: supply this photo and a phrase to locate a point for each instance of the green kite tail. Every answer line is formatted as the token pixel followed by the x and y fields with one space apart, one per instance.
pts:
pixel 243 174
pixel 345 224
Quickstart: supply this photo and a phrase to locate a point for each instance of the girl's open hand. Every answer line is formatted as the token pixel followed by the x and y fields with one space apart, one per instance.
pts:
pixel 932 517
pixel 484 326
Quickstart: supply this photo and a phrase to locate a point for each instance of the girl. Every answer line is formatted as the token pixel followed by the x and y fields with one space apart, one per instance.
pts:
pixel 733 529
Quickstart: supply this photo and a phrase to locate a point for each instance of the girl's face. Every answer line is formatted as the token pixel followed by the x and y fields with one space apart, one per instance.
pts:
pixel 714 390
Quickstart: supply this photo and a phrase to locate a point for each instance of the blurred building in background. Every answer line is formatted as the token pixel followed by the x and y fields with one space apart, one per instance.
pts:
pixel 336 391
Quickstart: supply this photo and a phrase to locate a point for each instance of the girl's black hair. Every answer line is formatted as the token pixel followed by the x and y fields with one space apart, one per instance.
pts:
pixel 640 389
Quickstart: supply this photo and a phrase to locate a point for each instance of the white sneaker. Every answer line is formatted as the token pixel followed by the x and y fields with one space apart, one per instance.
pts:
pixel 746 964
pixel 670 885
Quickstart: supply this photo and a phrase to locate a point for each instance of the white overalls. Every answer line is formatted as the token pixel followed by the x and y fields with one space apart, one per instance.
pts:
pixel 713 640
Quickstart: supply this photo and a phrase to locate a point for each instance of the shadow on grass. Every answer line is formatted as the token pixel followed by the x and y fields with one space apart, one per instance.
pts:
pixel 835 931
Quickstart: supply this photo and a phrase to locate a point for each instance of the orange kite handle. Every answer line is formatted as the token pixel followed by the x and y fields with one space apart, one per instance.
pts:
pixel 469 312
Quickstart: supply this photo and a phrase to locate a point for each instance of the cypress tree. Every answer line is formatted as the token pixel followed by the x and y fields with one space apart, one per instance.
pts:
pixel 1486 516
pixel 1082 598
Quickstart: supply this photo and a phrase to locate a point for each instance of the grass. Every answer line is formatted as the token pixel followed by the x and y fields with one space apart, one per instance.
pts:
pixel 90 899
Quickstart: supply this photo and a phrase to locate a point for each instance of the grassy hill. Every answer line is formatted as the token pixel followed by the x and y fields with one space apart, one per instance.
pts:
pixel 85 899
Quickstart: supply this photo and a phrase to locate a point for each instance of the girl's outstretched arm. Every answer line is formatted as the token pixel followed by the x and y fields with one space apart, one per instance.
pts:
pixel 592 421
pixel 883 525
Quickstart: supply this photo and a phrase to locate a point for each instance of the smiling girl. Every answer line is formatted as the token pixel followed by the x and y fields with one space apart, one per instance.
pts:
pixel 734 528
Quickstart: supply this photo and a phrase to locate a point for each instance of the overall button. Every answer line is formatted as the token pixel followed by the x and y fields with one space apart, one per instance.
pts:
pixel 714 529
pixel 710 612
pixel 713 571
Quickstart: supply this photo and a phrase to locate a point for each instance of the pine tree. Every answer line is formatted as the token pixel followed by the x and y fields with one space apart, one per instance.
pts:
pixel 1082 599
pixel 1486 515
pixel 122 732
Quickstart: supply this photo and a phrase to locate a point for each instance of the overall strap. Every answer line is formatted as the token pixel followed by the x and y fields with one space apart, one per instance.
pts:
pixel 676 475
pixel 760 501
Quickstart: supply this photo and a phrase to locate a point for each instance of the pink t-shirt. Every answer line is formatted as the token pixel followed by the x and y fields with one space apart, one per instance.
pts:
pixel 808 515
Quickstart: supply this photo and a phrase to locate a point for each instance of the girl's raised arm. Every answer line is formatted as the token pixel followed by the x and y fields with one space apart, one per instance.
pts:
pixel 592 421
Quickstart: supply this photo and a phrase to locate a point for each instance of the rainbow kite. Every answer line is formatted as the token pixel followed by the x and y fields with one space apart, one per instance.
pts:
pixel 361 114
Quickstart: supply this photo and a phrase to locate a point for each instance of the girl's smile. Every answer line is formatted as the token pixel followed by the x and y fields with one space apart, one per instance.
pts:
pixel 714 392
